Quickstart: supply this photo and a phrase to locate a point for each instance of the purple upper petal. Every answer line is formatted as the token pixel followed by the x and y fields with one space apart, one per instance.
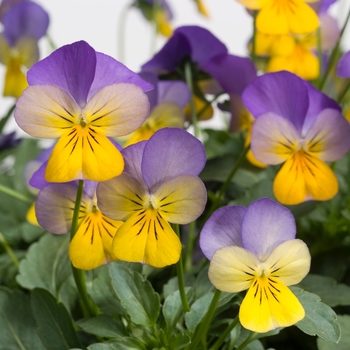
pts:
pixel 152 78
pixel 318 101
pixel 8 141
pixel 71 68
pixel 282 93
pixel 324 5
pixel 171 152
pixel 222 229
pixel 266 224
pixel 343 68
pixel 232 72
pixel 192 41
pixel 25 19
pixel 173 91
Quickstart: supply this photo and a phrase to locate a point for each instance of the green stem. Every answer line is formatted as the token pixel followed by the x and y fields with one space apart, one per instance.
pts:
pixel 7 116
pixel 88 307
pixel 223 335
pixel 15 194
pixel 180 276
pixel 189 82
pixel 342 95
pixel 319 51
pixel 334 54
pixel 121 34
pixel 201 334
pixel 9 250
pixel 190 246
pixel 252 336
pixel 51 43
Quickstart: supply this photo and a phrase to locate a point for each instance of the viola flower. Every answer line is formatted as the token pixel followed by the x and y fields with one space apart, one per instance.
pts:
pixel 343 68
pixel 255 248
pixel 24 24
pixel 82 97
pixel 159 185
pixel 283 16
pixel 167 101
pixel 92 243
pixel 8 141
pixel 299 126
pixel 202 9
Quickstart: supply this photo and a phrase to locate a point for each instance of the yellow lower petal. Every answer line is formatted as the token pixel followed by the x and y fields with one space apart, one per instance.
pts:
pixel 31 216
pixel 304 177
pixel 269 304
pixel 15 79
pixel 250 155
pixel 83 153
pixel 91 246
pixel 203 110
pixel 147 238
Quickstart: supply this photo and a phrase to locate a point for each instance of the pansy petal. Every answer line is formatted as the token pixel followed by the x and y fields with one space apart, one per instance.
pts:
pixel 232 269
pixel 269 304
pixel 251 4
pixel 28 50
pixel 222 229
pixel 181 200
pixel 118 109
pixel 54 207
pixel 5 50
pixel 91 245
pixel 304 177
pixel 329 136
pixel 266 224
pixel 343 68
pixel 147 238
pixel 174 91
pixel 120 197
pixel 152 95
pixel 84 153
pixel 183 154
pixel 289 262
pixel 15 80
pixel 109 72
pixel 71 68
pixel 282 93
pixel 31 215
pixel 46 111
pixel 273 139
pixel 25 18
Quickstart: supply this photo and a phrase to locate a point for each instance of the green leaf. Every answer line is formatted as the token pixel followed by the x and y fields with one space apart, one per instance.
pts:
pixel 327 289
pixel 17 324
pixel 343 344
pixel 126 343
pixel 103 326
pixel 55 326
pixel 173 284
pixel 47 266
pixel 320 319
pixel 136 294
pixel 172 307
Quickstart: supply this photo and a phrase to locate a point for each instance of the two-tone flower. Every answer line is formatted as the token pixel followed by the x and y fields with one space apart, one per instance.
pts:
pixel 301 128
pixel 158 186
pixel 255 248
pixel 82 97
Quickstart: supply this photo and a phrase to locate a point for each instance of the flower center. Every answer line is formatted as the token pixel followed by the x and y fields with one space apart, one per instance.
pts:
pixel 83 120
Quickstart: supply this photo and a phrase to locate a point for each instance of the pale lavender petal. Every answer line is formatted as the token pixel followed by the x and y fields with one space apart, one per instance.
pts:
pixel 318 101
pixel 25 19
pixel 89 188
pixel 71 68
pixel 109 71
pixel 233 73
pixel 132 161
pixel 330 31
pixel 329 135
pixel 171 152
pixel 222 229
pixel 343 68
pixel 266 224
pixel 324 5
pixel 152 78
pixel 173 91
pixel 282 93
pixel 54 207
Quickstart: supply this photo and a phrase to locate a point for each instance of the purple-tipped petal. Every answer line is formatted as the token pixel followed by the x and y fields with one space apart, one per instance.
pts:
pixel 282 93
pixel 89 188
pixel 343 68
pixel 222 229
pixel 232 72
pixel 171 152
pixel 132 161
pixel 329 135
pixel 318 101
pixel 109 71
pixel 174 91
pixel 266 224
pixel 71 68
pixel 25 19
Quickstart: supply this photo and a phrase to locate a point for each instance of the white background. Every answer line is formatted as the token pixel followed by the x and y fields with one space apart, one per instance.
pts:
pixel 99 21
